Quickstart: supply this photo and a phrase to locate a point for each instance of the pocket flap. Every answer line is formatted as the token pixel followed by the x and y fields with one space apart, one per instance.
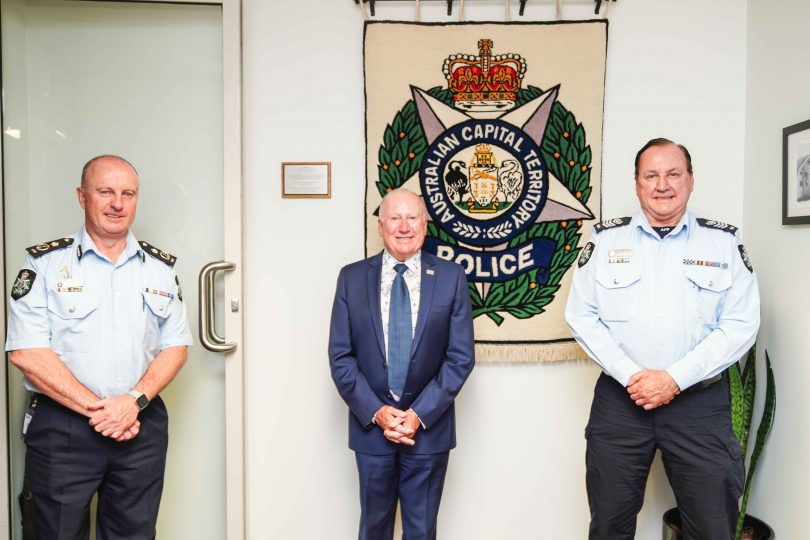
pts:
pixel 618 276
pixel 711 279
pixel 71 305
pixel 159 303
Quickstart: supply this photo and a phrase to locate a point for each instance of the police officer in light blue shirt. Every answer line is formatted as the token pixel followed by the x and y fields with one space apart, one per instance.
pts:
pixel 664 302
pixel 98 327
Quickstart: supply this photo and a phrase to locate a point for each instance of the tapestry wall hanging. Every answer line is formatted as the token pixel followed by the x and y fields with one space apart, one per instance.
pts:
pixel 498 126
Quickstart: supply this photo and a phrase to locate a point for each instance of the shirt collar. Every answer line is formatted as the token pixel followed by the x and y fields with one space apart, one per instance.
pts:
pixel 86 245
pixel 389 261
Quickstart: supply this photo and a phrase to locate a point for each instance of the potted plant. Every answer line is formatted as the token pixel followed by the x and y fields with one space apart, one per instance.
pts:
pixel 742 386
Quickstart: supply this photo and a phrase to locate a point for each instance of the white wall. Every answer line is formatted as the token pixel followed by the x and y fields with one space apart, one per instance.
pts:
pixel 778 86
pixel 675 69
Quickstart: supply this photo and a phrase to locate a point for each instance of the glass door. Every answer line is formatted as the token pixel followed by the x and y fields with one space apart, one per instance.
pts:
pixel 157 83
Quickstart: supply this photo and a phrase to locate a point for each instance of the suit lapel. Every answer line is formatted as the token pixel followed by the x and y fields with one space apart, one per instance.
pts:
pixel 373 278
pixel 427 287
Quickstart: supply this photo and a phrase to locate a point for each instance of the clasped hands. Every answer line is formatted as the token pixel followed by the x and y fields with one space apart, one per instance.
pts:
pixel 651 388
pixel 115 417
pixel 398 426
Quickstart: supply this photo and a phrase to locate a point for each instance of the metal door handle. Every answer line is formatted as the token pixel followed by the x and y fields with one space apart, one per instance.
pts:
pixel 208 334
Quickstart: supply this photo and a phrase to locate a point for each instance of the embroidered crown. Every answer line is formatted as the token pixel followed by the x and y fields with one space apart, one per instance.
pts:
pixel 484 83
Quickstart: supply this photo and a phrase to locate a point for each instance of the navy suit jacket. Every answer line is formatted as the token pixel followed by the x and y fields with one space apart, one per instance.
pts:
pixel 442 355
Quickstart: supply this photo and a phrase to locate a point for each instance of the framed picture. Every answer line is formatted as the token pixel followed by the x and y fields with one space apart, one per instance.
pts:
pixel 306 179
pixel 796 174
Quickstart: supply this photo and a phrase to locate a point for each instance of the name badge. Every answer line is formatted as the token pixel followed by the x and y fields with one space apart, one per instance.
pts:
pixel 619 256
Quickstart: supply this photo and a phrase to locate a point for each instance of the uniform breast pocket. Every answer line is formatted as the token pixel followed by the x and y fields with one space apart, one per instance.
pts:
pixel 73 318
pixel 157 307
pixel 708 288
pixel 617 291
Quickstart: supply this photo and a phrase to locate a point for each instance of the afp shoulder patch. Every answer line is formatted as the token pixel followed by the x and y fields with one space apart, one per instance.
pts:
pixel 22 285
pixel 585 256
pixel 159 254
pixel 41 249
pixel 611 223
pixel 719 225
pixel 746 260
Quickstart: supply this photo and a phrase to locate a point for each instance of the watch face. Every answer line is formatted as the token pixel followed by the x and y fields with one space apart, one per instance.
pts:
pixel 142 402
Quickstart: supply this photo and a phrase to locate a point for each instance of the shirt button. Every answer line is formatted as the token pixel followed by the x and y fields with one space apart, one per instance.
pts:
pixel 615 281
pixel 71 309
pixel 711 284
pixel 160 307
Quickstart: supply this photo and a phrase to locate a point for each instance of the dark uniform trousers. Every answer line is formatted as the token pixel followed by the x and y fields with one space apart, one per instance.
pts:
pixel 67 462
pixel 701 456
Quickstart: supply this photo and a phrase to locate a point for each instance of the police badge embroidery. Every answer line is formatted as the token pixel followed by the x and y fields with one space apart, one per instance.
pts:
pixel 585 256
pixel 485 172
pixel 745 259
pixel 22 285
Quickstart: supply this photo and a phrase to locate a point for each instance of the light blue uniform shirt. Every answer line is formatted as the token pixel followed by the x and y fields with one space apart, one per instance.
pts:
pixel 687 303
pixel 106 321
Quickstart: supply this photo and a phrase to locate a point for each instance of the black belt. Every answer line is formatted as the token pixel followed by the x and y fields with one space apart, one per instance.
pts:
pixel 705 383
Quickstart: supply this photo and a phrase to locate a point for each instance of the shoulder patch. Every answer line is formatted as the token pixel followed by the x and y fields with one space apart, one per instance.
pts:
pixel 159 254
pixel 585 256
pixel 22 285
pixel 746 260
pixel 611 223
pixel 719 225
pixel 41 249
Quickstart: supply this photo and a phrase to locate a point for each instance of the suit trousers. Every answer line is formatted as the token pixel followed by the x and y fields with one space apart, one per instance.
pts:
pixel 67 462
pixel 416 480
pixel 701 456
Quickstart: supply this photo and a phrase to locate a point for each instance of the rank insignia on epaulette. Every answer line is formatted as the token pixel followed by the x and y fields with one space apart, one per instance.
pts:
pixel 41 249
pixel 719 225
pixel 159 254
pixel 611 223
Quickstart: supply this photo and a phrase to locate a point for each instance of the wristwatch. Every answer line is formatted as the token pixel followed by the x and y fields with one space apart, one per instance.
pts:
pixel 140 399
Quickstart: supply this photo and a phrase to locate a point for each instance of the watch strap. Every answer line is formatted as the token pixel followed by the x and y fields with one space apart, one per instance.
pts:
pixel 140 399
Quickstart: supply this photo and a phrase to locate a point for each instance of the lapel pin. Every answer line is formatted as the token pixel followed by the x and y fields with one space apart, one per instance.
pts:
pixel 430 271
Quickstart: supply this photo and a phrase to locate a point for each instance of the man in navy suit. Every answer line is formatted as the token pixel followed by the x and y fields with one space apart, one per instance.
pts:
pixel 400 348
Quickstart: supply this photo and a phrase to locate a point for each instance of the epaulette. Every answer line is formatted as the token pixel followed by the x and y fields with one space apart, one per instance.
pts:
pixel 41 249
pixel 159 254
pixel 719 225
pixel 611 223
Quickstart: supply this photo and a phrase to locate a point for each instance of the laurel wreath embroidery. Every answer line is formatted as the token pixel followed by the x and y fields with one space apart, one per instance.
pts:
pixel 467 231
pixel 501 231
pixel 567 156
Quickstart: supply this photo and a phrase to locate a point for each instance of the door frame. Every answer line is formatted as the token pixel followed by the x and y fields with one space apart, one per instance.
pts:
pixel 235 474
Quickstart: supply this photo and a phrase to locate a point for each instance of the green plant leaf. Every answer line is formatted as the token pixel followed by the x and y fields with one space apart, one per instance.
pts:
pixel 765 423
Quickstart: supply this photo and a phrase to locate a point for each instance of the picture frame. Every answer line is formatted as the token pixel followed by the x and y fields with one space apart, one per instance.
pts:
pixel 306 180
pixel 796 174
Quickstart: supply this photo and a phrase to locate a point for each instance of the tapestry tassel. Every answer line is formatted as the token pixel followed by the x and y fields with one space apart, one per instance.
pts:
pixel 461 12
pixel 418 13
pixel 559 9
pixel 508 15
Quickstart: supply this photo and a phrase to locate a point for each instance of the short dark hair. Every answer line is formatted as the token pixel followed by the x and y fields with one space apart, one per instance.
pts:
pixel 89 164
pixel 660 141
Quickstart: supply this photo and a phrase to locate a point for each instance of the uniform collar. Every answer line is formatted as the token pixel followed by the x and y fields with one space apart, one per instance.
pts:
pixel 685 222
pixel 86 245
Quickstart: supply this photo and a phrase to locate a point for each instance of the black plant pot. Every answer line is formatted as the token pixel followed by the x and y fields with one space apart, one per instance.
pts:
pixel 672 526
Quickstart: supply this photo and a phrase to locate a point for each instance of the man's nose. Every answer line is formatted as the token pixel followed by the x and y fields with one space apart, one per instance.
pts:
pixel 117 201
pixel 662 184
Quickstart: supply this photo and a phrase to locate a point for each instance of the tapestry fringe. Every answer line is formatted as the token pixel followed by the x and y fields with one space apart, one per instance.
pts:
pixel 528 353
